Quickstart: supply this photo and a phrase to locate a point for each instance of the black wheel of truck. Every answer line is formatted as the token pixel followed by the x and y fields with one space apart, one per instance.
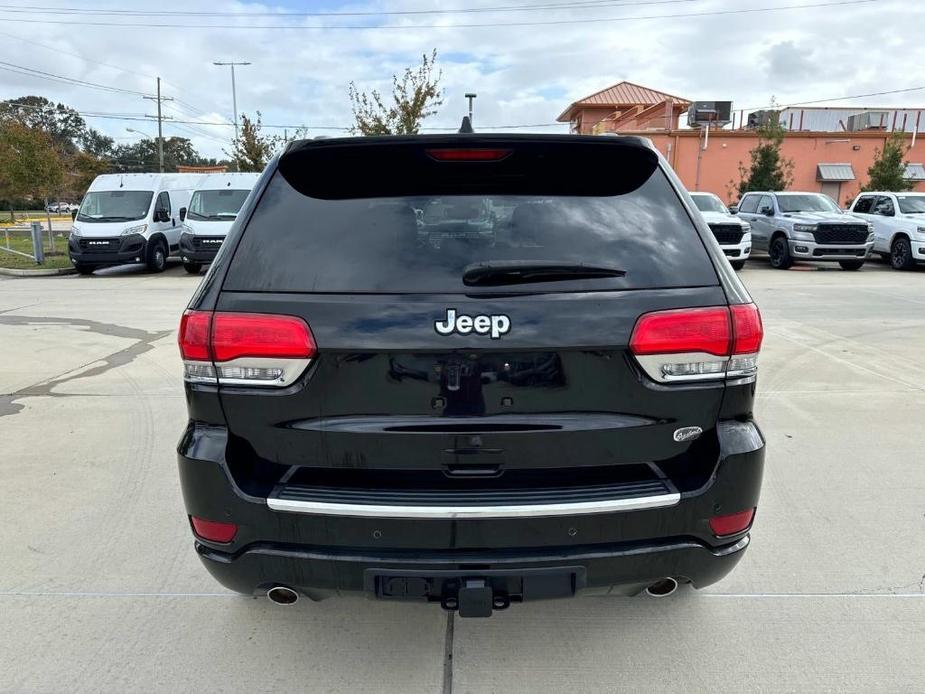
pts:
pixel 192 268
pixel 157 257
pixel 780 253
pixel 901 254
pixel 851 264
pixel 84 269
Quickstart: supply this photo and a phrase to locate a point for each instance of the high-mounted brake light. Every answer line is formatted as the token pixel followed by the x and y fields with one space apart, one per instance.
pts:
pixel 698 344
pixel 244 348
pixel 468 154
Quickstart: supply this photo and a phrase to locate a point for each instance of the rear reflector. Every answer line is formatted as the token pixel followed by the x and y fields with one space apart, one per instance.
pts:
pixel 214 531
pixel 731 524
pixel 244 348
pixel 698 344
pixel 468 154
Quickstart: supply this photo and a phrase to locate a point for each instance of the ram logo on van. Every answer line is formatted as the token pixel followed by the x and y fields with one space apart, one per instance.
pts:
pixel 493 325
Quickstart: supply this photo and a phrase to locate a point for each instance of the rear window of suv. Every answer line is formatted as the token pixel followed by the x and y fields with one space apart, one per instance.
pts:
pixel 295 242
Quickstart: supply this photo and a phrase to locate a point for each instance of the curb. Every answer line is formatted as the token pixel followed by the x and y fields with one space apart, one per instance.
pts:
pixel 41 272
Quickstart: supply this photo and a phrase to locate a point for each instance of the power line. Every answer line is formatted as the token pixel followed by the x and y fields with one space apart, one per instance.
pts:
pixel 549 6
pixel 416 27
pixel 41 74
pixel 55 49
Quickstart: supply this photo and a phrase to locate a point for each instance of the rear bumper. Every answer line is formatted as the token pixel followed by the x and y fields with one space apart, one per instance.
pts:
pixel 317 572
pixel 809 250
pixel 317 554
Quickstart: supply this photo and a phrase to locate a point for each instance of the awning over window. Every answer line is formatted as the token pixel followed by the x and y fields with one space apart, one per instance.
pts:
pixel 915 172
pixel 834 172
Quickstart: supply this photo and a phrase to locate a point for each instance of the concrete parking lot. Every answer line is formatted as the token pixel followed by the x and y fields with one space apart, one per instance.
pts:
pixel 100 589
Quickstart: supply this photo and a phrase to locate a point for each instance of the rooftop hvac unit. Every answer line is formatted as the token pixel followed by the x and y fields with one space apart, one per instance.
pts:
pixel 714 113
pixel 868 120
pixel 757 119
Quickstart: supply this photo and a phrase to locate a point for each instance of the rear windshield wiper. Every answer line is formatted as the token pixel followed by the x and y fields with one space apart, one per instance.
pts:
pixel 493 273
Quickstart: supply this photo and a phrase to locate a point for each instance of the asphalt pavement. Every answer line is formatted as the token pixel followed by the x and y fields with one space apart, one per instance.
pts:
pixel 100 589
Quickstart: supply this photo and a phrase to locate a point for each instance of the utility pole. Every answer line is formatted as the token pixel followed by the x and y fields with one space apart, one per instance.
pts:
pixel 234 95
pixel 160 132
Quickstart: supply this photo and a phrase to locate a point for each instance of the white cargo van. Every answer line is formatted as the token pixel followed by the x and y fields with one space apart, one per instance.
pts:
pixel 130 218
pixel 212 210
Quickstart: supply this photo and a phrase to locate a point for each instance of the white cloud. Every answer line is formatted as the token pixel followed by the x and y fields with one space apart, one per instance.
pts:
pixel 522 74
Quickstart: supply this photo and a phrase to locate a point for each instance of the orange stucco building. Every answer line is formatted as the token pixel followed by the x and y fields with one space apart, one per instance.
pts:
pixel 832 161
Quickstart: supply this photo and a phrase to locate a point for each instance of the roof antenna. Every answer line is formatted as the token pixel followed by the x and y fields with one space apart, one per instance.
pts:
pixel 466 127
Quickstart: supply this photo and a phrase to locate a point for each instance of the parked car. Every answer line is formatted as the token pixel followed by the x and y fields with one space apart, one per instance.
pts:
pixel 805 226
pixel 130 218
pixel 60 207
pixel 212 210
pixel 386 402
pixel 899 225
pixel 733 234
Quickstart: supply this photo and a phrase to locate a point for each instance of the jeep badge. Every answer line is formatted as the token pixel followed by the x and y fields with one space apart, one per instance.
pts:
pixel 495 325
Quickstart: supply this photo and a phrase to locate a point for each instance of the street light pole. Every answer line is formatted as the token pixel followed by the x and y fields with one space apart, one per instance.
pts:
pixel 471 98
pixel 234 94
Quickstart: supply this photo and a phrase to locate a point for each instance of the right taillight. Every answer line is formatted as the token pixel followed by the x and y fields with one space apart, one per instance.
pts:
pixel 698 344
pixel 244 349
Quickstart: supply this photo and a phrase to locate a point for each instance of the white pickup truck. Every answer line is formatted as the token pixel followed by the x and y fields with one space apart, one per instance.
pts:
pixel 732 234
pixel 899 225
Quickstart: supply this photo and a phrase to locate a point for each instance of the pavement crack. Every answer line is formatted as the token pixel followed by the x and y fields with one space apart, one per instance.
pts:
pixel 448 654
pixel 144 342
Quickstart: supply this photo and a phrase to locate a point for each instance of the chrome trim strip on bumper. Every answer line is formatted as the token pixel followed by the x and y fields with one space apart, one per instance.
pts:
pixel 732 549
pixel 325 508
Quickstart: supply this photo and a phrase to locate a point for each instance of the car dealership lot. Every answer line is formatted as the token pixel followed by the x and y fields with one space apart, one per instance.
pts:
pixel 100 588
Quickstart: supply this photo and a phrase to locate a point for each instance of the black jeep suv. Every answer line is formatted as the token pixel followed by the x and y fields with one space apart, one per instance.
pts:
pixel 471 370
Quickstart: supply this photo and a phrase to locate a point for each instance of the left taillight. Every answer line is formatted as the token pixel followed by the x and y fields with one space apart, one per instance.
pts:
pixel 244 349
pixel 698 344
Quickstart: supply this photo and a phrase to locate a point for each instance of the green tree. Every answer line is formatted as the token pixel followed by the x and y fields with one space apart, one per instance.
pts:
pixel 62 123
pixel 888 172
pixel 769 169
pixel 30 165
pixel 416 95
pixel 252 150
pixel 142 156
pixel 96 144
pixel 81 169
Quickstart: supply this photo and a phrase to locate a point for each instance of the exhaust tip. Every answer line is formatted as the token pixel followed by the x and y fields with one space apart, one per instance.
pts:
pixel 662 588
pixel 282 595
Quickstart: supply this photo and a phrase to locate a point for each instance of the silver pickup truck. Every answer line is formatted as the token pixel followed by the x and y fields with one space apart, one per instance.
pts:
pixel 805 226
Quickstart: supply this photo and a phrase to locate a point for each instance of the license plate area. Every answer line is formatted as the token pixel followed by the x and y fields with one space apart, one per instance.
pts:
pixel 475 593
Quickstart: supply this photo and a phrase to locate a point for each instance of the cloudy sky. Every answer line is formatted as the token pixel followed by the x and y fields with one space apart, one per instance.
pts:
pixel 526 59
